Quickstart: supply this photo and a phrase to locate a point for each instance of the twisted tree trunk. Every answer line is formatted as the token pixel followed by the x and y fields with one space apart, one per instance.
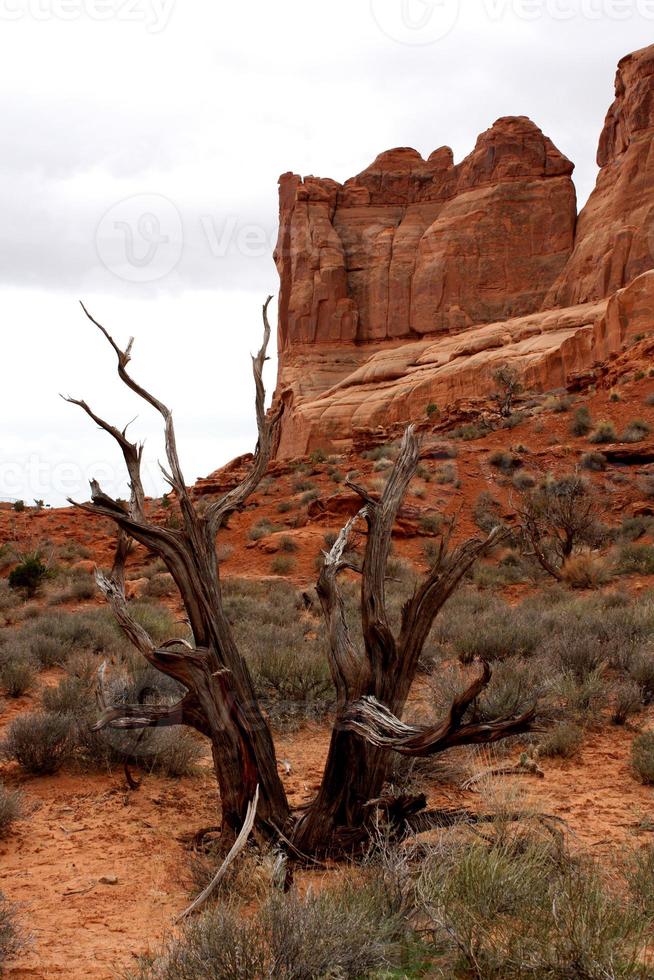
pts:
pixel 372 682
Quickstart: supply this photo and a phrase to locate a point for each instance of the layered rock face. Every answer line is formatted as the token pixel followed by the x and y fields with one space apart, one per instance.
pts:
pixel 614 241
pixel 410 283
pixel 413 247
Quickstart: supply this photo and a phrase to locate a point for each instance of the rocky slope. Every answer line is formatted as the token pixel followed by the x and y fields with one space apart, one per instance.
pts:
pixel 410 283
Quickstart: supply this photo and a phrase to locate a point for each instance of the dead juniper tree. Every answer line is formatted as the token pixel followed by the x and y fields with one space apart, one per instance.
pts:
pixel 372 679
pixel 556 517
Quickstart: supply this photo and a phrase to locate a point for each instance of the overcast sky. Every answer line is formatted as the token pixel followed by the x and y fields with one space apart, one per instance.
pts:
pixel 141 145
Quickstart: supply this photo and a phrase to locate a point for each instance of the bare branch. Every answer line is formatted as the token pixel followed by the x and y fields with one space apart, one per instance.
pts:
pixel 124 357
pixel 447 572
pixel 350 670
pixel 235 850
pixel 380 515
pixel 377 725
pixel 132 454
pixel 267 428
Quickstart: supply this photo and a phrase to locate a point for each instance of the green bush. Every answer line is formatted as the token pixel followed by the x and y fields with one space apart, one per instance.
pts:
pixel 29 575
pixel 642 756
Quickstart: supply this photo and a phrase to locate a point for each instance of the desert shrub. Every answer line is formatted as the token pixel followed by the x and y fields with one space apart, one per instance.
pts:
pixel 11 808
pixel 584 696
pixel 163 584
pixel 261 529
pixel 17 677
pixel 28 576
pixel 284 506
pixel 508 385
pixel 155 619
pixel 40 742
pixel 54 636
pixel 282 565
pixel 627 701
pixel 603 432
pixel 445 474
pixel 641 669
pixel 633 528
pixel 388 450
pixel 9 602
pixel 381 465
pixel 642 756
pixel 563 740
pixel 635 431
pixel 523 481
pixel 582 423
pixel 506 462
pixel 432 409
pixel 596 462
pixel 293 681
pixel 9 935
pixel 75 693
pixel 635 559
pixel 288 544
pixel 469 431
pixel 492 631
pixel 309 497
pixel 348 932
pixel 515 686
pixel 557 403
pixel 170 752
pixel 559 515
pixel 431 524
pixel 585 571
pixel 519 908
pixel 639 876
pixel 303 486
pixel 318 456
pixel 487 512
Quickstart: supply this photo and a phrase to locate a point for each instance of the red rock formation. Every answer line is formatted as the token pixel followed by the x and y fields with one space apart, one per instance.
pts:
pixel 413 247
pixel 410 283
pixel 615 233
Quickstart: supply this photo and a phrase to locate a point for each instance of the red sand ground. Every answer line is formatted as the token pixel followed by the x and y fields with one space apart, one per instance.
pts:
pixel 82 827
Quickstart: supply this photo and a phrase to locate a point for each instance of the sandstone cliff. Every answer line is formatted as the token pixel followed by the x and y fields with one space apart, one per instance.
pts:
pixel 410 283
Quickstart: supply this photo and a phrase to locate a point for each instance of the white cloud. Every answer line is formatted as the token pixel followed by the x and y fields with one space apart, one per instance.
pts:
pixel 205 105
